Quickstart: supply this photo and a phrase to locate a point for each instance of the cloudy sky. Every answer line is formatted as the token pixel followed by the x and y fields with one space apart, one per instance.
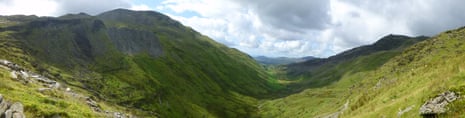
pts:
pixel 292 28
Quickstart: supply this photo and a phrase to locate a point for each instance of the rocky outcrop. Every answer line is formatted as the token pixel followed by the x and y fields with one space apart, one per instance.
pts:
pixel 9 110
pixel 131 41
pixel 15 110
pixel 93 105
pixel 438 104
pixel 21 74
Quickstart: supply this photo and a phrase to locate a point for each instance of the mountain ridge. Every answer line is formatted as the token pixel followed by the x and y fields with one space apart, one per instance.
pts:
pixel 389 42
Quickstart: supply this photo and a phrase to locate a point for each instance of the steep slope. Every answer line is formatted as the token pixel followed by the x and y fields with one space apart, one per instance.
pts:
pixel 324 83
pixel 141 60
pixel 420 73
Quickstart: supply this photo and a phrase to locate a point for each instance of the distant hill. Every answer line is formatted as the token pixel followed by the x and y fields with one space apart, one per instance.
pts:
pixel 281 60
pixel 387 43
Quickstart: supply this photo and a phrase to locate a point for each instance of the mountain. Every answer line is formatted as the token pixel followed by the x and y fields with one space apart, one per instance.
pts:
pixel 409 82
pixel 140 62
pixel 124 63
pixel 387 43
pixel 321 72
pixel 324 82
pixel 281 60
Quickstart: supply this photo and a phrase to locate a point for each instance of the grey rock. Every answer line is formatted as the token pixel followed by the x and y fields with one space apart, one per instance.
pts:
pixel 18 115
pixel 119 115
pixel 1 98
pixel 4 106
pixel 8 114
pixel 13 75
pixel 43 89
pixel 438 104
pixel 130 41
pixel 18 107
pixel 93 105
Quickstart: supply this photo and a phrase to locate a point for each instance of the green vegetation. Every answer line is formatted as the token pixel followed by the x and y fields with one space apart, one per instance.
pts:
pixel 382 83
pixel 193 76
pixel 149 65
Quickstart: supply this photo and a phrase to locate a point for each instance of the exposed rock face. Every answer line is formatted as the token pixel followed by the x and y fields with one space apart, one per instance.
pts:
pixel 3 106
pixel 93 105
pixel 131 41
pixel 438 104
pixel 8 110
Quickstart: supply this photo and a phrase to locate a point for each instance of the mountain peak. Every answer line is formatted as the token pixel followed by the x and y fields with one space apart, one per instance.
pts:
pixel 141 18
pixel 126 12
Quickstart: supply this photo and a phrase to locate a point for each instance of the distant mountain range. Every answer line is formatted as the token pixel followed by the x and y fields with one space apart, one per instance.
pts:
pixel 281 60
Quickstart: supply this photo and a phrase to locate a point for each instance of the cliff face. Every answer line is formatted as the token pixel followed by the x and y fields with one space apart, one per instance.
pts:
pixel 131 41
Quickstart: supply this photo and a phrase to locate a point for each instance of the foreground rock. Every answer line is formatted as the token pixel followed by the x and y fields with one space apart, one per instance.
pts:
pixel 8 110
pixel 438 104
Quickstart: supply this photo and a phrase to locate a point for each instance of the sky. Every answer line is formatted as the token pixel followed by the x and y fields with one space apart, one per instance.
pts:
pixel 279 28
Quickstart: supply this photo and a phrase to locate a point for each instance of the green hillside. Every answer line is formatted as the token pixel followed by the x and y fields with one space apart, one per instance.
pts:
pixel 145 64
pixel 143 61
pixel 380 84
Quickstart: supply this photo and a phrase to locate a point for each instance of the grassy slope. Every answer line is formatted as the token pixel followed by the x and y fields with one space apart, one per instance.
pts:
pixel 329 84
pixel 322 100
pixel 36 104
pixel 384 85
pixel 419 73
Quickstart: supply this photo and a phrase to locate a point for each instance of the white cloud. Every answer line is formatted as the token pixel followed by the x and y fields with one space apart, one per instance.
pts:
pixel 237 26
pixel 316 28
pixel 141 7
pixel 280 28
pixel 28 7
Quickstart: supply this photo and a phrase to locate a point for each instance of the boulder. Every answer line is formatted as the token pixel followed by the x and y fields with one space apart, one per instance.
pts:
pixel 18 115
pixel 17 107
pixel 1 98
pixel 4 107
pixel 13 75
pixel 438 104
pixel 8 113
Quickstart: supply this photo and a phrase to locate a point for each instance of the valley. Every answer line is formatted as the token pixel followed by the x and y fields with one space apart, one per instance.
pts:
pixel 125 63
